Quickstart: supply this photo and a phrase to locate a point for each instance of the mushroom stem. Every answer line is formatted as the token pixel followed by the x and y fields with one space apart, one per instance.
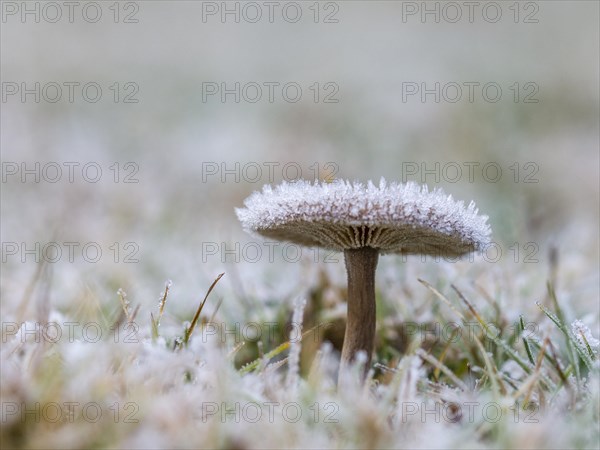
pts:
pixel 360 324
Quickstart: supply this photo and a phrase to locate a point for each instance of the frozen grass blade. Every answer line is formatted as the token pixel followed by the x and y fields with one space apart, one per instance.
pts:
pixel 154 325
pixel 294 356
pixel 124 303
pixel 161 308
pixel 571 342
pixel 525 365
pixel 276 365
pixel 587 345
pixel 525 341
pixel 163 300
pixel 250 367
pixel 470 306
pixel 585 338
pixel 190 329
pixel 561 319
pixel 134 314
pixel 123 311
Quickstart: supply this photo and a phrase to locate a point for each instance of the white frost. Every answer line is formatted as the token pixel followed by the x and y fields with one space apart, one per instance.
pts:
pixel 584 335
pixel 354 203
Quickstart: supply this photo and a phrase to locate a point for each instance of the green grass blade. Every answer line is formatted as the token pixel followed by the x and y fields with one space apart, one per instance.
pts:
pixel 525 341
pixel 571 340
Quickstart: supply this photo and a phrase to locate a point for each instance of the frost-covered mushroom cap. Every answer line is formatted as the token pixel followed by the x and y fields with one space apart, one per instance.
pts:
pixel 393 218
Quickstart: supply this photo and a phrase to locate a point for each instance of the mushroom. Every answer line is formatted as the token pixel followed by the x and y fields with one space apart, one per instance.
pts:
pixel 363 221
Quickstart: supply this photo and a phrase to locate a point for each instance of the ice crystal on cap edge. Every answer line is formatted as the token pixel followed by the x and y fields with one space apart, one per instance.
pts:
pixel 392 217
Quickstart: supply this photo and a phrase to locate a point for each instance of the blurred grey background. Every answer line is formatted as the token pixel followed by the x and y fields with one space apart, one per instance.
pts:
pixel 365 55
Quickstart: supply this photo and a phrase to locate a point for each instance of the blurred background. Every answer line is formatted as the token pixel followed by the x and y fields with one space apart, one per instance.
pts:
pixel 507 92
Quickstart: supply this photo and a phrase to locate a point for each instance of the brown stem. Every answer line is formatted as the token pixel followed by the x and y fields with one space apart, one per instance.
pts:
pixel 360 325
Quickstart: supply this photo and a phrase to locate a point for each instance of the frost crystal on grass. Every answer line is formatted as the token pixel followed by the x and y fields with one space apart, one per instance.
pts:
pixel 295 346
pixel 392 217
pixel 584 335
pixel 513 370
